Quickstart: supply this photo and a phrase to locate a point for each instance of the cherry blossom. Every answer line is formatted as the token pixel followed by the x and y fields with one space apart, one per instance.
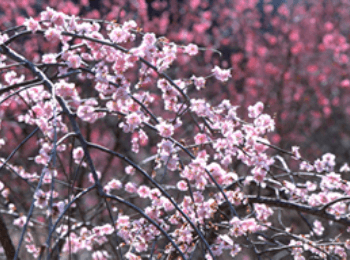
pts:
pixel 165 129
pixel 191 49
pixel 32 25
pixel 221 74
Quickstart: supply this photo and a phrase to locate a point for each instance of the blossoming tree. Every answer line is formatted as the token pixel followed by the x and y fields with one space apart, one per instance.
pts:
pixel 105 153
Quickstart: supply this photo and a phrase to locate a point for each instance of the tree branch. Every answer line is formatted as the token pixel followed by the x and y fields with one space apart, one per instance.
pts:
pixel 6 241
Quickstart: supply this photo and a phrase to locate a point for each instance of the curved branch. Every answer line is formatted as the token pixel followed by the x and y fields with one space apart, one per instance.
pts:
pixel 124 158
pixel 299 207
pixel 130 205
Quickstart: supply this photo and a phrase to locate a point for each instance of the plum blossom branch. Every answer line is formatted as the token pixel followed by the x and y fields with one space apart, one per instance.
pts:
pixel 299 207
pixel 130 205
pixel 78 196
pixel 158 187
pixel 5 50
pixel 30 212
pixel 326 206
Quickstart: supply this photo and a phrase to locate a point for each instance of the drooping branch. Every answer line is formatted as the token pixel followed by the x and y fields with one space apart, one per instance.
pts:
pixel 139 169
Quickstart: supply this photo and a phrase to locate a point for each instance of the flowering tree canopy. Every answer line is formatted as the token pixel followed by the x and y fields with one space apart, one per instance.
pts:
pixel 109 148
pixel 291 55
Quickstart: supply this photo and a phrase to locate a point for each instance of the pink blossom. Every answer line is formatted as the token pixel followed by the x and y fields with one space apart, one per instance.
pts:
pixel 149 39
pixel 57 209
pixel 38 110
pixel 263 212
pixel 131 256
pixel 191 49
pixel 331 181
pixel 163 84
pixel 131 187
pixel 295 151
pixel 3 38
pixel 347 244
pixel 12 78
pixel 311 186
pixel 306 166
pixel 128 25
pixel 41 199
pixel 200 138
pixel 154 194
pixel 87 113
pixel 5 193
pixel 319 165
pixel 235 138
pixel 259 174
pixel 133 120
pixel 221 74
pixel 345 168
pixel 165 62
pixel 297 250
pixel 31 248
pixel 328 160
pixel 32 25
pixel 216 171
pixel 65 89
pixel 135 147
pixel 143 191
pixel 143 138
pixel 78 153
pixel 58 18
pixel 294 36
pixel 200 107
pixel 318 228
pixel 265 123
pixel 48 175
pixel 268 8
pixel 165 147
pixel 236 249
pixel 91 176
pixel 20 222
pixel 335 41
pixel 172 163
pixel 230 178
pixel 72 24
pixel 118 35
pixel 74 61
pixel 182 185
pixel 49 58
pixel 122 221
pixel 166 130
pixel 168 206
pixel 199 82
pixel 48 14
pixel 130 170
pixel 115 184
pixel 256 110
pixel 52 34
